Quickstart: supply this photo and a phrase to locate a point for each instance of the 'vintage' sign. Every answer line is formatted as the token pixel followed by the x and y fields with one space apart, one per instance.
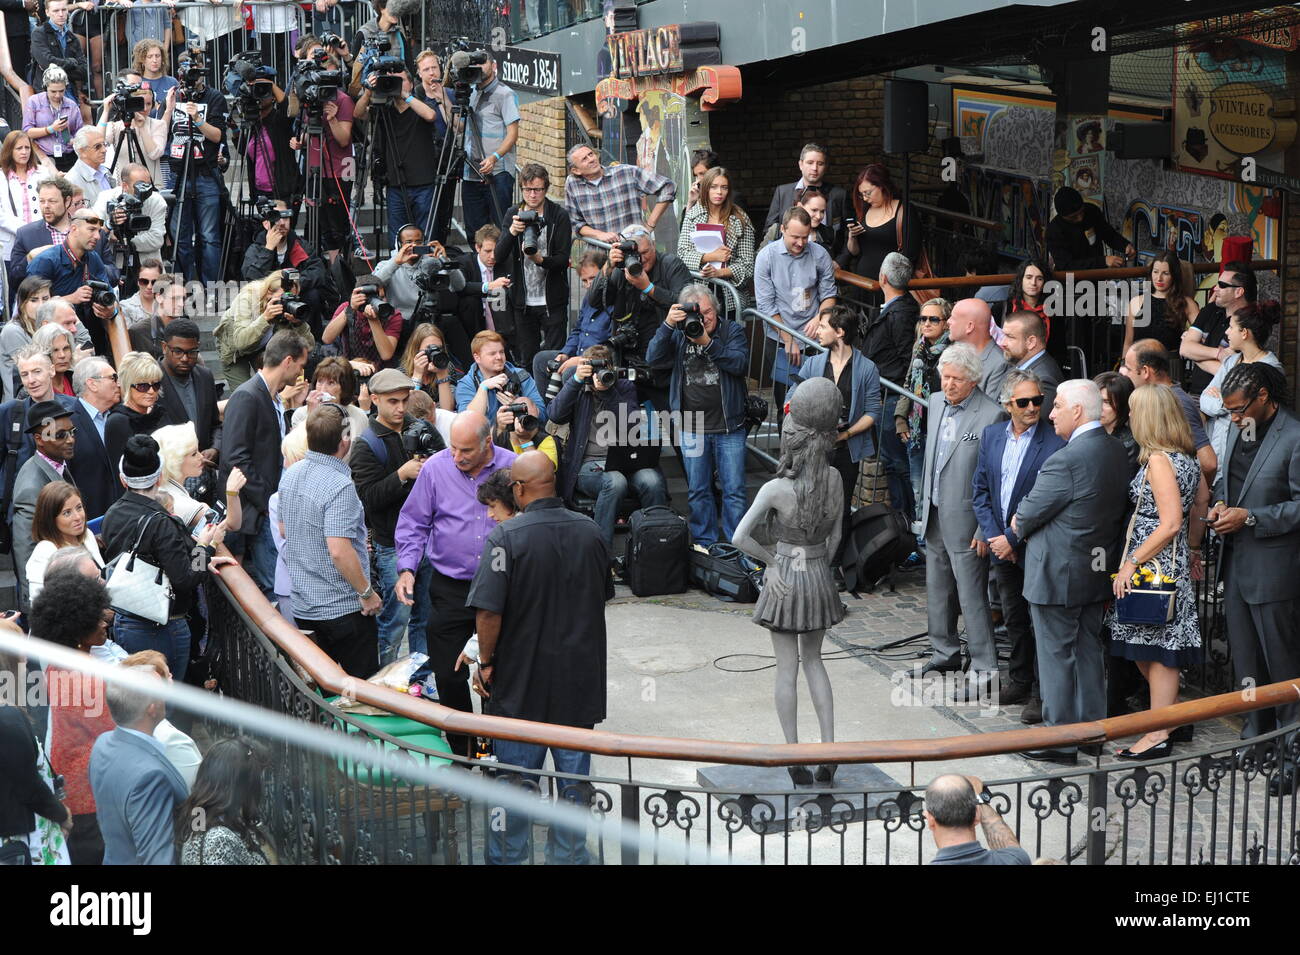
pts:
pixel 646 52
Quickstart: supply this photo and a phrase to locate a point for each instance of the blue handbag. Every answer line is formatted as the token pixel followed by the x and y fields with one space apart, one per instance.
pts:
pixel 1151 603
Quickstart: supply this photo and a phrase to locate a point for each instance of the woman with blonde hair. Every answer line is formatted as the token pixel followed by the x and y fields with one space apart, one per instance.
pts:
pixel 178 447
pixel 1157 541
pixel 140 377
pixel 249 322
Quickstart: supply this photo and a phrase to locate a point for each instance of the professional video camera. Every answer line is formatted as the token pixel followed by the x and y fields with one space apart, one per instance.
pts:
pixel 527 421
pixel 693 327
pixel 603 371
pixel 249 85
pixel 314 85
pixel 466 64
pixel 101 293
pixel 438 357
pixel 631 256
pixel 133 206
pixel 531 219
pixel 386 69
pixel 383 310
pixel 421 439
pixel 268 211
pixel 435 274
pixel 127 101
pixel 189 71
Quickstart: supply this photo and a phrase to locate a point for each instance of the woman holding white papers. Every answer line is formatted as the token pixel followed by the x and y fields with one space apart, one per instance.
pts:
pixel 717 238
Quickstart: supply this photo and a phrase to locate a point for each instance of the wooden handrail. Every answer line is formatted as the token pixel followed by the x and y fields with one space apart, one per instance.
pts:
pixel 989 225
pixel 329 677
pixel 1081 275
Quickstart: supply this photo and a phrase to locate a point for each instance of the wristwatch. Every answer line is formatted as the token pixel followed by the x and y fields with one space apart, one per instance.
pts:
pixel 1250 519
pixel 367 593
pixel 983 797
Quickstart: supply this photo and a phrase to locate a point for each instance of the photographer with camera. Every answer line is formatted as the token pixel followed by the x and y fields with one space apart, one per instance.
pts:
pixel 281 249
pixel 399 271
pixel 366 327
pixel 383 34
pixel 597 401
pixel 492 382
pixel 707 394
pixel 534 252
pixel 78 275
pixel 196 129
pixel 261 309
pixel 325 106
pixel 430 366
pixel 402 142
pixel 643 285
pixel 118 118
pixel 491 133
pixel 135 212
pixel 386 459
pixel 272 165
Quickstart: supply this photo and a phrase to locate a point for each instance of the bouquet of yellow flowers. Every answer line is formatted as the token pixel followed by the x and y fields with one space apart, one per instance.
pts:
pixel 1152 601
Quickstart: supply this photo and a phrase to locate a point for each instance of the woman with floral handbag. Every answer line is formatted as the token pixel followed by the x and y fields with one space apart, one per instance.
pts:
pixel 1154 621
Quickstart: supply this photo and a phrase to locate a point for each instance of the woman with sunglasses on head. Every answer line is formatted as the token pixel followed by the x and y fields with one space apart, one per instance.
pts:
pixel 140 377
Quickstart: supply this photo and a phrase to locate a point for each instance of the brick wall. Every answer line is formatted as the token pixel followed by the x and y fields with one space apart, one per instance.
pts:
pixel 541 139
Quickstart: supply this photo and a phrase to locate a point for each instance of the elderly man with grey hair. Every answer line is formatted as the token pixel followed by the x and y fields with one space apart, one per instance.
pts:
pixel 95 383
pixel 956 552
pixel 971 322
pixel 1010 457
pixel 89 172
pixel 1072 522
pixel 604 201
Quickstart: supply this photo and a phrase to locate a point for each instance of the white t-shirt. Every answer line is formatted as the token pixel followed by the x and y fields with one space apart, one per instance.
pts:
pixel 44 551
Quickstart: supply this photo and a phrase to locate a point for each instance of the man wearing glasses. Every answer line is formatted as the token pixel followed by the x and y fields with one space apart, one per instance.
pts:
pixel 50 425
pixel 70 266
pixel 1257 511
pixel 189 390
pixel 1206 342
pixel 89 172
pixel 1010 455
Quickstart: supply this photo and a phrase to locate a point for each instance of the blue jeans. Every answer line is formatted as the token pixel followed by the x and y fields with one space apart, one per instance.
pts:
pixel 476 200
pixel 563 845
pixel 171 639
pixel 610 487
pixel 413 207
pixel 916 465
pixel 898 470
pixel 201 202
pixel 701 454
pixel 259 558
pixel 395 616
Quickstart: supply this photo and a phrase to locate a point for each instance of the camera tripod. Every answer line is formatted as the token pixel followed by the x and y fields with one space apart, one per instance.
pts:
pixel 248 148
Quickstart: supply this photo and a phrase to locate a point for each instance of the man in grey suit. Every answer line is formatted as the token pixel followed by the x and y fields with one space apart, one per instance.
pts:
pixel 137 790
pixel 50 425
pixel 1257 512
pixel 1072 522
pixel 956 553
pixel 970 322
pixel 1024 345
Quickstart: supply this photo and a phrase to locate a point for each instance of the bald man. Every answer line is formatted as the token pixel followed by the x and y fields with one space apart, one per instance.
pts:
pixel 540 594
pixel 443 520
pixel 970 322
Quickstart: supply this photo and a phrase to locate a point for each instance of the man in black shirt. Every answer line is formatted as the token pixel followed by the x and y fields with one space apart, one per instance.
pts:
pixel 1067 235
pixel 1206 342
pixel 401 135
pixel 195 131
pixel 540 593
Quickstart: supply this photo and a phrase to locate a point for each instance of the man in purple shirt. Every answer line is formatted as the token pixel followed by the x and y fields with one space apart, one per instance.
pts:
pixel 443 518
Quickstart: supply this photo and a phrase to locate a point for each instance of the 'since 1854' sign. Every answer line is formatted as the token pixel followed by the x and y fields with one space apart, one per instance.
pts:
pixel 530 70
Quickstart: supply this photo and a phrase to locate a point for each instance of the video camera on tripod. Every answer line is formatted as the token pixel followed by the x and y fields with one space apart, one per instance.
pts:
pixel 132 204
pixel 127 101
pixel 466 67
pixel 249 85
pixel 314 85
pixel 434 274
pixel 378 62
pixel 189 72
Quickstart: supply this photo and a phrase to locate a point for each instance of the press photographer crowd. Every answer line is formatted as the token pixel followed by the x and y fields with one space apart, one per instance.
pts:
pixel 442 459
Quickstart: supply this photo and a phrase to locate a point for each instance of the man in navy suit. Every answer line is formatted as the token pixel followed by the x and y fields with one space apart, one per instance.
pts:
pixel 1010 455
pixel 93 470
pixel 137 790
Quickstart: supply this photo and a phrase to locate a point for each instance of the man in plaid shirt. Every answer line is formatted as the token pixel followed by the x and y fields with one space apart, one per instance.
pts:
pixel 602 202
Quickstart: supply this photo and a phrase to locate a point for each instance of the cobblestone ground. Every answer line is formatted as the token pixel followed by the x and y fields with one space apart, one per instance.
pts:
pixel 1195 809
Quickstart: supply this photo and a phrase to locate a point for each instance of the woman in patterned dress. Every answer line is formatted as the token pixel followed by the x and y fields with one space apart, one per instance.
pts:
pixel 1163 493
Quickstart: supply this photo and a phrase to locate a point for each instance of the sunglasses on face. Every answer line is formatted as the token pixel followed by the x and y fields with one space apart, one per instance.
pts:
pixel 1223 284
pixel 927 319
pixel 65 435
pixel 146 386
pixel 1036 401
pixel 148 283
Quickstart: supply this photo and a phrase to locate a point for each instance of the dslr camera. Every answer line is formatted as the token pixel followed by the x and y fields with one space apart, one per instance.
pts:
pixel 606 374
pixel 421 439
pixel 528 422
pixel 102 294
pixel 295 309
pixel 631 257
pixel 624 335
pixel 693 327
pixel 383 310
pixel 438 357
pixel 531 219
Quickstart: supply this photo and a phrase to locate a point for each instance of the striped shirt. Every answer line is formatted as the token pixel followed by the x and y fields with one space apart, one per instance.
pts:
pixel 613 202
